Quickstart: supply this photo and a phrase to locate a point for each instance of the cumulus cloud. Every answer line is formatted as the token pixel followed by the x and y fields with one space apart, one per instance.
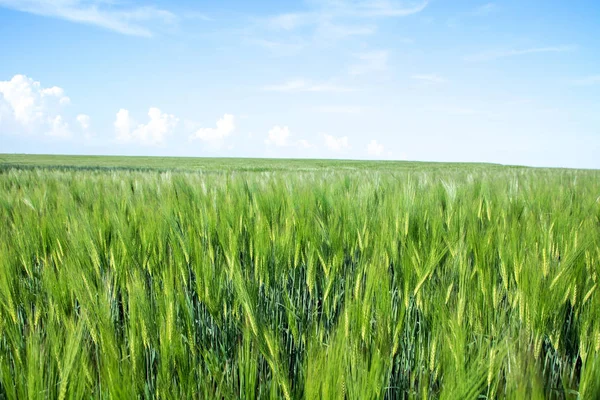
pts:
pixel 56 92
pixel 59 127
pixel 336 144
pixel 214 138
pixel 85 124
pixel 5 111
pixel 84 121
pixel 27 107
pixel 159 126
pixel 374 148
pixel 303 144
pixel 123 125
pixel 278 136
pixel 281 136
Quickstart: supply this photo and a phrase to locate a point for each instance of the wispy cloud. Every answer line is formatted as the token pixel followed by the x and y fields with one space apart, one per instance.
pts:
pixel 374 8
pixel 333 9
pixel 461 111
pixel 484 9
pixel 301 85
pixel 290 21
pixel 588 80
pixel 330 31
pixel 341 109
pixel 106 14
pixel 428 78
pixel 337 19
pixel 496 54
pixel 373 61
pixel 195 15
pixel 278 47
pixel 455 110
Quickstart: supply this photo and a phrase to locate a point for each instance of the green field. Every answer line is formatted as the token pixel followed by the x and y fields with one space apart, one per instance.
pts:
pixel 124 278
pixel 220 165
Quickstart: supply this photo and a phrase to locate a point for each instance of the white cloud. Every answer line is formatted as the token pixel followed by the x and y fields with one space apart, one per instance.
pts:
pixel 59 128
pixel 303 144
pixel 374 148
pixel 159 126
pixel 280 47
pixel 328 10
pixel 382 8
pixel 484 9
pixel 289 21
pixel 428 78
pixel 27 107
pixel 329 31
pixel 341 109
pixel 480 11
pixel 301 85
pixel 373 61
pixel 215 137
pixel 28 100
pixel 57 92
pixel 84 121
pixel 108 14
pixel 324 24
pixel 5 112
pixel 336 144
pixel 459 111
pixel 495 54
pixel 123 125
pixel 331 20
pixel 278 136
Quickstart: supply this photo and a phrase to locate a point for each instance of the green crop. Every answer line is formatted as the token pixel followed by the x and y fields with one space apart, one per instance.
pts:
pixel 304 279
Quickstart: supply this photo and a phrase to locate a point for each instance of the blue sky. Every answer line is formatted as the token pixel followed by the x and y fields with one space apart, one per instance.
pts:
pixel 511 82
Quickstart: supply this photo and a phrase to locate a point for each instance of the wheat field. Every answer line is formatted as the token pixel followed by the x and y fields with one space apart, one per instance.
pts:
pixel 246 279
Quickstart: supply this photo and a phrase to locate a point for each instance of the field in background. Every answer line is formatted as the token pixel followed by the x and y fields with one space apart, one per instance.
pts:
pixel 207 278
pixel 183 164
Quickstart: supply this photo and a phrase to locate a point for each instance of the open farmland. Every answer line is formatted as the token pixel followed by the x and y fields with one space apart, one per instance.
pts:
pixel 191 278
